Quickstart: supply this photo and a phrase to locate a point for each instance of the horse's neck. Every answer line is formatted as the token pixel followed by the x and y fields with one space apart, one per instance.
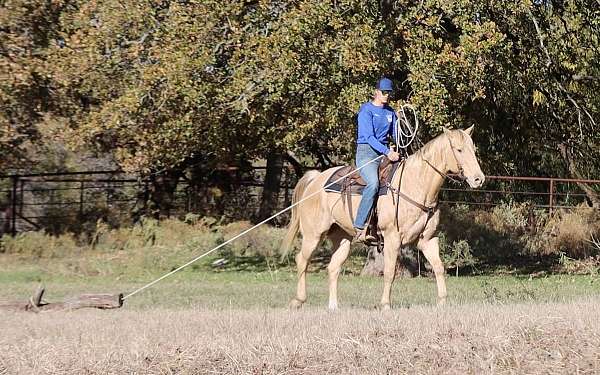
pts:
pixel 419 180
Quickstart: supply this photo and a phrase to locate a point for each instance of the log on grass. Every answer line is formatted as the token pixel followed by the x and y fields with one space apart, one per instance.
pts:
pixel 35 303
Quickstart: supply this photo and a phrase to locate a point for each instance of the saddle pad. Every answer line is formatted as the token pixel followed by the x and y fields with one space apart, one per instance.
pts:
pixel 356 188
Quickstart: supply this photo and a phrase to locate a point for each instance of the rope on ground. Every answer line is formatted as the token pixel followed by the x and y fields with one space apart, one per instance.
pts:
pixel 246 231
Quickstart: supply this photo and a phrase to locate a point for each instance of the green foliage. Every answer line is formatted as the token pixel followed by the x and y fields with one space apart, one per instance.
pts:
pixel 26 37
pixel 518 235
pixel 166 84
pixel 456 255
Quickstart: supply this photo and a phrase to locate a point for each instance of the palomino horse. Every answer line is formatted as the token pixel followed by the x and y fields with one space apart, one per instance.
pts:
pixel 420 181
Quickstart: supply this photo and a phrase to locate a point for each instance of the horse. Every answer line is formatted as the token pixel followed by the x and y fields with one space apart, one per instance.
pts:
pixel 407 214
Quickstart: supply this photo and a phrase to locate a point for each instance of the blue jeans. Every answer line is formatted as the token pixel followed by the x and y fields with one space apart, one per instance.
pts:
pixel 364 154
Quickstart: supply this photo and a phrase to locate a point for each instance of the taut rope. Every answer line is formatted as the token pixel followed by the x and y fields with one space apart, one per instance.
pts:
pixel 244 232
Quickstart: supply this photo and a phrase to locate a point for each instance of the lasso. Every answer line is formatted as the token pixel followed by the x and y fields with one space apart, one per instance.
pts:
pixel 405 132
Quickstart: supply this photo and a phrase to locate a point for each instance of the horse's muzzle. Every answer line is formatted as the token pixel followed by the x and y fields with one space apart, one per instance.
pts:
pixel 476 181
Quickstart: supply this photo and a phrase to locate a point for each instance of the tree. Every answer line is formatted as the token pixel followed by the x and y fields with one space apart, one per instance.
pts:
pixel 29 29
pixel 166 85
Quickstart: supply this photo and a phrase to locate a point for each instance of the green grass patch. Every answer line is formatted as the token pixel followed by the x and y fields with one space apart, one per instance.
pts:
pixel 247 273
pixel 211 289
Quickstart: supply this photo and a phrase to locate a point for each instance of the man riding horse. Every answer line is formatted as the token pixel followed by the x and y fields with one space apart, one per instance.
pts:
pixel 376 121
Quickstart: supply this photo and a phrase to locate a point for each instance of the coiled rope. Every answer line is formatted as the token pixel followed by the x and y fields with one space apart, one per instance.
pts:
pixel 405 131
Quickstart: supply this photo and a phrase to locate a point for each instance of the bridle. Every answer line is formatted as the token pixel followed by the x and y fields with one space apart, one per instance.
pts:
pixel 429 210
pixel 460 176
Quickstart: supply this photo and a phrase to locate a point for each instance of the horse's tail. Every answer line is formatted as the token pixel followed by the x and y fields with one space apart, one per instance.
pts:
pixel 294 225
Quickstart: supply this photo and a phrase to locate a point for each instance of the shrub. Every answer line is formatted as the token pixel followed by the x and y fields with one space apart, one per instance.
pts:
pixel 505 219
pixel 262 241
pixel 39 245
pixel 512 232
pixel 456 255
pixel 570 232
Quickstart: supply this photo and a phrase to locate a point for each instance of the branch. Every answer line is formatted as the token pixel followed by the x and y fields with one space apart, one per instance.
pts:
pixel 291 158
pixel 579 108
pixel 541 38
pixel 139 41
pixel 578 77
pixel 549 63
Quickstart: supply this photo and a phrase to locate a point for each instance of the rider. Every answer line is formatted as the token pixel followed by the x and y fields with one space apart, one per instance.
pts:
pixel 376 120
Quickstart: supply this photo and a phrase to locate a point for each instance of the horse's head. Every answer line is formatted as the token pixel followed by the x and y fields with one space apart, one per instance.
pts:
pixel 461 158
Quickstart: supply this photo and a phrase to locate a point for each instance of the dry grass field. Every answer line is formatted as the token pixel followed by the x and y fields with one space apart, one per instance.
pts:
pixel 202 322
pixel 480 338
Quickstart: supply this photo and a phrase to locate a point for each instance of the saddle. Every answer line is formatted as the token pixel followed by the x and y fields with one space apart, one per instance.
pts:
pixel 354 184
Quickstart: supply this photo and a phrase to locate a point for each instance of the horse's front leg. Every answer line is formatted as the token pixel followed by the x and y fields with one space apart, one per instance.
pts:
pixel 431 250
pixel 390 256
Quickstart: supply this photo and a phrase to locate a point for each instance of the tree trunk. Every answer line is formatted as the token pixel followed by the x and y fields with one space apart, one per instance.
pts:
pixel 161 190
pixel 270 195
pixel 298 168
pixel 407 265
pixel 592 196
pixel 374 263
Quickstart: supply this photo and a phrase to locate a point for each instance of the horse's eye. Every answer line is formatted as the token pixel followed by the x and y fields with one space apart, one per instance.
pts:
pixel 459 149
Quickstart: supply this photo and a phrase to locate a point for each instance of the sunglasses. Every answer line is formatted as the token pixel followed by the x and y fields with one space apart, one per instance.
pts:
pixel 386 92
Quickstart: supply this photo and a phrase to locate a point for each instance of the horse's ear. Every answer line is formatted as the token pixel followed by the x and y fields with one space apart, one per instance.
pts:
pixel 469 130
pixel 446 131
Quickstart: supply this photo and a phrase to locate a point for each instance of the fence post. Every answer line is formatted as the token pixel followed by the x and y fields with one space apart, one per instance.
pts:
pixel 81 198
pixel 21 193
pixel 286 189
pixel 551 203
pixel 188 198
pixel 108 186
pixel 15 182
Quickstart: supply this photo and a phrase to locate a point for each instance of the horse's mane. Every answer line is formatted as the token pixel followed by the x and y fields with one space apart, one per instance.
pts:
pixel 427 147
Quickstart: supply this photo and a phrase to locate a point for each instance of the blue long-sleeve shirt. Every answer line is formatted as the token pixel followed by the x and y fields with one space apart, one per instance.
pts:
pixel 375 124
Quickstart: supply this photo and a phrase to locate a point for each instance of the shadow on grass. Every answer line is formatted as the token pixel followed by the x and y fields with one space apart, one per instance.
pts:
pixel 228 261
pixel 495 252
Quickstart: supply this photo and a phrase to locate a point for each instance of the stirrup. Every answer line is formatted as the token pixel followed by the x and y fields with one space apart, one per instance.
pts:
pixel 364 237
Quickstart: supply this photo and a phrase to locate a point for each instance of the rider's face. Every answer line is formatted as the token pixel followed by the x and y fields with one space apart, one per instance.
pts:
pixel 383 96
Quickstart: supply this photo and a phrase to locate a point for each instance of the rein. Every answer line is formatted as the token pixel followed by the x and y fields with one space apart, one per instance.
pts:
pixel 430 210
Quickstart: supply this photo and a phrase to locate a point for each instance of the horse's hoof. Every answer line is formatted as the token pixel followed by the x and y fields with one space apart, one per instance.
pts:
pixel 295 303
pixel 386 307
pixel 441 301
pixel 333 307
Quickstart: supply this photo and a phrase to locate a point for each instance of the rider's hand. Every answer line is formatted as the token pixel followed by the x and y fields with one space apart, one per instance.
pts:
pixel 393 155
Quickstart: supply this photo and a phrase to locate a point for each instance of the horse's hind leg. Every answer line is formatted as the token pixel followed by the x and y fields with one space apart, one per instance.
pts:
pixel 341 241
pixel 309 244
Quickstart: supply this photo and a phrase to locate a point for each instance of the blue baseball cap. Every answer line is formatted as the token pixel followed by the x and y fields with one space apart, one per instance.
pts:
pixel 384 84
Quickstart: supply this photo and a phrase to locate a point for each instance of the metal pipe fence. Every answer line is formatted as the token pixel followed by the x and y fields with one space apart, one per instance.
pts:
pixel 62 201
pixel 549 193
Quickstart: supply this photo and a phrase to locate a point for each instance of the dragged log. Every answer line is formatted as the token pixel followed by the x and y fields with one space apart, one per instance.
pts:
pixel 36 304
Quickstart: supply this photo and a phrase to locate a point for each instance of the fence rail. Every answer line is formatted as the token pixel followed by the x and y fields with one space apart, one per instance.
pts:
pixel 49 200
pixel 553 191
